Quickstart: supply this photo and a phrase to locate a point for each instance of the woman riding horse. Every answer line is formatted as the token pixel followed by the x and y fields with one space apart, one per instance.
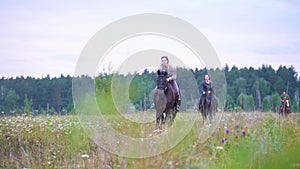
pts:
pixel 206 87
pixel 207 101
pixel 166 96
pixel 171 71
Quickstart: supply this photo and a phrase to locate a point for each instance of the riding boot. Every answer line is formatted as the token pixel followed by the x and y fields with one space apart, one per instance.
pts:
pixel 177 95
pixel 179 98
pixel 177 102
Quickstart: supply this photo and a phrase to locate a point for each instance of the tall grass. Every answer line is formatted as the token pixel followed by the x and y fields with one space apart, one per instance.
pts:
pixel 250 140
pixel 269 142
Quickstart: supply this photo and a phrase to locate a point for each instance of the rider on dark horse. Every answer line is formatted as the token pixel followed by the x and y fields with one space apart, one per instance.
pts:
pixel 283 98
pixel 206 87
pixel 171 70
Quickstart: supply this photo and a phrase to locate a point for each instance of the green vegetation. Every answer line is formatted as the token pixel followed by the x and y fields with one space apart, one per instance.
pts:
pixel 257 88
pixel 37 136
pixel 242 140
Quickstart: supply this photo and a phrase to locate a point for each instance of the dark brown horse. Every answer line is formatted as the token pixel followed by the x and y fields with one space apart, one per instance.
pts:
pixel 285 109
pixel 164 100
pixel 208 107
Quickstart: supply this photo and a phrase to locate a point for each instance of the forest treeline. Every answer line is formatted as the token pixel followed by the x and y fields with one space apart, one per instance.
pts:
pixel 247 89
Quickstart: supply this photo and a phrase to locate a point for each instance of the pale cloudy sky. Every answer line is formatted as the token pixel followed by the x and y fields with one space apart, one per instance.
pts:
pixel 47 37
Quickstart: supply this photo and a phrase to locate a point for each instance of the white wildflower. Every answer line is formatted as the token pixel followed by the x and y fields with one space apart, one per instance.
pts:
pixel 84 156
pixel 219 148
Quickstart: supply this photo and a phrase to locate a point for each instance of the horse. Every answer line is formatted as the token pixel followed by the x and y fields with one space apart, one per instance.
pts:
pixel 208 106
pixel 164 100
pixel 285 109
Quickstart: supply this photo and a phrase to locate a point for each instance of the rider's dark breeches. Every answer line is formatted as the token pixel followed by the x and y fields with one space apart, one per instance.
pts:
pixel 177 92
pixel 175 87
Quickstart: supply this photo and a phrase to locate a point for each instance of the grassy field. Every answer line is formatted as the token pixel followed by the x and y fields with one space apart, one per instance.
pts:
pixel 239 140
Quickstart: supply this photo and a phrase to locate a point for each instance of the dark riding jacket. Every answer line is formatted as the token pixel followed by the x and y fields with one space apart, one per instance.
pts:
pixel 205 87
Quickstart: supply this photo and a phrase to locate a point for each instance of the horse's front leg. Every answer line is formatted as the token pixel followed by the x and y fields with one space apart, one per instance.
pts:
pixel 166 118
pixel 210 114
pixel 159 119
pixel 203 115
pixel 173 112
pixel 169 117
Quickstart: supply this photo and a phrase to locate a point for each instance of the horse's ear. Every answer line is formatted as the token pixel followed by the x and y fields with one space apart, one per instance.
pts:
pixel 158 72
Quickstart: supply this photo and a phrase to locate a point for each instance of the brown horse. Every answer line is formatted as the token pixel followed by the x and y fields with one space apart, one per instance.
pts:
pixel 285 109
pixel 164 100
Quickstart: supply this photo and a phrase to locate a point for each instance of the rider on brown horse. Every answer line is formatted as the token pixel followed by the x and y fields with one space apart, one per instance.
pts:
pixel 171 78
pixel 206 87
pixel 283 98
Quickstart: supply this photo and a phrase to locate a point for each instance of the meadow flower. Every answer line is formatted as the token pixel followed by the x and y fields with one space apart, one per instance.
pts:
pixel 84 156
pixel 223 140
pixel 244 132
pixel 227 131
pixel 219 148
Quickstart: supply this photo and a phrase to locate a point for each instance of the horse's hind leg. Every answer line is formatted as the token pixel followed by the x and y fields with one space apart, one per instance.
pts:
pixel 210 116
pixel 203 115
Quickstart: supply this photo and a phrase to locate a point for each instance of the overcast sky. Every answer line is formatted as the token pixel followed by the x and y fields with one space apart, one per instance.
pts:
pixel 47 37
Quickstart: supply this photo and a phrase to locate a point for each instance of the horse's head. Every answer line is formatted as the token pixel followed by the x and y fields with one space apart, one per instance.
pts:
pixel 161 81
pixel 287 103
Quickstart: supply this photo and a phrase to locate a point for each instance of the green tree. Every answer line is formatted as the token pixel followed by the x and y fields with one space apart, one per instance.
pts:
pixel 27 105
pixel 10 100
pixel 268 74
pixel 246 102
pixel 275 102
pixel 289 77
pixel 294 106
pixel 229 103
pixel 240 85
pixel 266 104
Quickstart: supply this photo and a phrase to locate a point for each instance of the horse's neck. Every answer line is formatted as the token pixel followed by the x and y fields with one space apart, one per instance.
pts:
pixel 169 92
pixel 159 91
pixel 208 97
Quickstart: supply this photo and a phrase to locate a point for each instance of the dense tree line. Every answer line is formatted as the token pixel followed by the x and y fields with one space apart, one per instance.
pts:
pixel 263 87
pixel 247 89
pixel 36 95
